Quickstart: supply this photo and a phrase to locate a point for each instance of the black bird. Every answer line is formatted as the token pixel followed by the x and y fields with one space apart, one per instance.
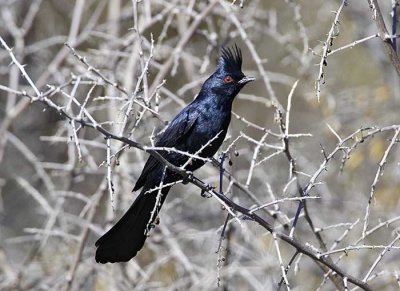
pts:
pixel 199 128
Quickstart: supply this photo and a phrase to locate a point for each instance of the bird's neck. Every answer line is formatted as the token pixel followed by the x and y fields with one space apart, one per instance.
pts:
pixel 218 101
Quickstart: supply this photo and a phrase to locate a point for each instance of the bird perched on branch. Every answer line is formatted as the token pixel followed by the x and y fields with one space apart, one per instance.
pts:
pixel 199 129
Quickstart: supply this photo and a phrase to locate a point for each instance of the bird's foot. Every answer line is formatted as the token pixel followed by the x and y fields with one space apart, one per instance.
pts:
pixel 187 178
pixel 246 217
pixel 204 192
pixel 150 226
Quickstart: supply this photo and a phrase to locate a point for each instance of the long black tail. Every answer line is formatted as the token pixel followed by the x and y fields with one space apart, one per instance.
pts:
pixel 127 236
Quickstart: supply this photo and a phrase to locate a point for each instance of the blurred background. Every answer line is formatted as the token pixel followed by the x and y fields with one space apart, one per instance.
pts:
pixel 54 197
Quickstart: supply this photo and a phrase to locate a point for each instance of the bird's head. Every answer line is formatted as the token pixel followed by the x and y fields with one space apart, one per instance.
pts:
pixel 228 78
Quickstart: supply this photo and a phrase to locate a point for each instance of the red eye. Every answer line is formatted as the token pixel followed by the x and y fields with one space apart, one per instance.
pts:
pixel 228 79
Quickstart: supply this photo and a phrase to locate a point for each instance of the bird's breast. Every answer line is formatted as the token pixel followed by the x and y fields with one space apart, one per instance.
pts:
pixel 209 133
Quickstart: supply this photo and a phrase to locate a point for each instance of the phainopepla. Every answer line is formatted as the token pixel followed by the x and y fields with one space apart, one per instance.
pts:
pixel 199 129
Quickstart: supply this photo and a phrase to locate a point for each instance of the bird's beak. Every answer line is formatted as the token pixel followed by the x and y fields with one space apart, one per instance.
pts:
pixel 246 80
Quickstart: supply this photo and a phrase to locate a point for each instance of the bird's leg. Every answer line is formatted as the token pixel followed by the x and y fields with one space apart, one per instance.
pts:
pixel 221 170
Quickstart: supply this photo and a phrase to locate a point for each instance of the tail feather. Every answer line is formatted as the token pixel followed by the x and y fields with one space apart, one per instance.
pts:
pixel 127 236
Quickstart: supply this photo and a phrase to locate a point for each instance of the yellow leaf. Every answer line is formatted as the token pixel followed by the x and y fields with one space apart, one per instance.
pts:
pixel 355 160
pixel 376 149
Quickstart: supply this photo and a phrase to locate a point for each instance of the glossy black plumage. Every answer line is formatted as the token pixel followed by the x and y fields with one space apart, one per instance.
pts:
pixel 205 118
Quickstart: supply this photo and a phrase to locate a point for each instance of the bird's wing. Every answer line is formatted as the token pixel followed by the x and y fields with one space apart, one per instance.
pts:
pixel 176 132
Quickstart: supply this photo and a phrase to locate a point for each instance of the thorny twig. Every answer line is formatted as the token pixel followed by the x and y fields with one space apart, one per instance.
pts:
pixel 326 49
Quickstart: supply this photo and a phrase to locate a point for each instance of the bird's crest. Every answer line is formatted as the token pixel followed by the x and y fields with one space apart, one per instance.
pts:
pixel 231 59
